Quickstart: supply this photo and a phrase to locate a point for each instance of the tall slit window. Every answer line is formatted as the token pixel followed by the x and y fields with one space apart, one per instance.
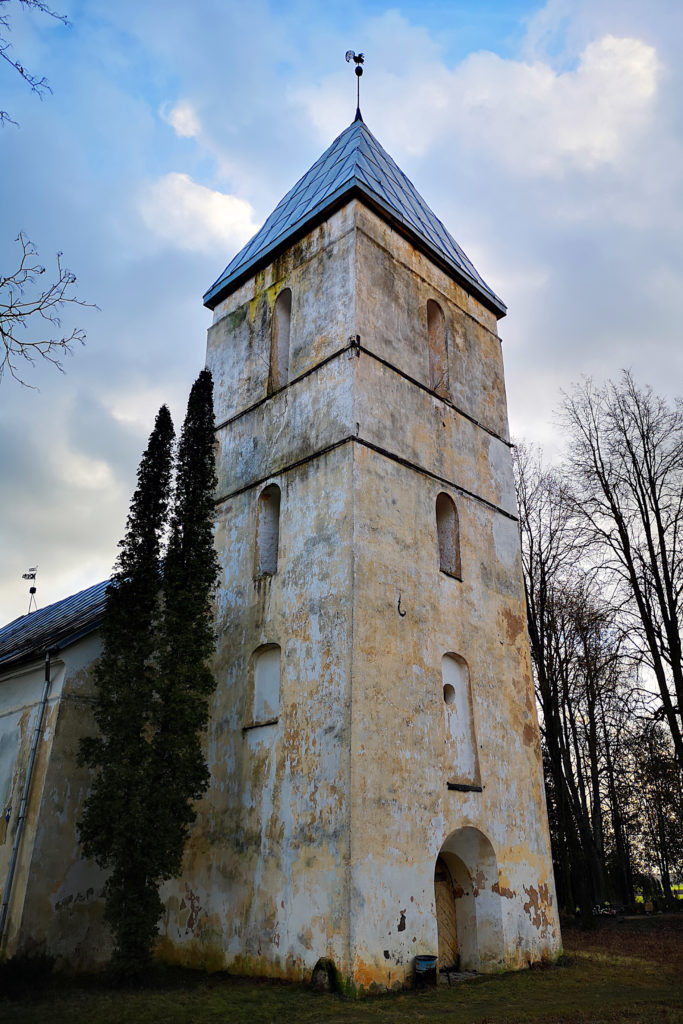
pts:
pixel 268 531
pixel 279 342
pixel 448 533
pixel 438 356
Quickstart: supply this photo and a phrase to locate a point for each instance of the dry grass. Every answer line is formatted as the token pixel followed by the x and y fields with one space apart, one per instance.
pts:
pixel 658 938
pixel 626 972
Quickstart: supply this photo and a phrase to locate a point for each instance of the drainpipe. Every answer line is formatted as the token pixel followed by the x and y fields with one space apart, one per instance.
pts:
pixel 24 797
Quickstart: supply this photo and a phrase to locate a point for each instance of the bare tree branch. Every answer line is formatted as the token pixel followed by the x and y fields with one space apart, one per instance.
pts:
pixel 37 84
pixel 25 306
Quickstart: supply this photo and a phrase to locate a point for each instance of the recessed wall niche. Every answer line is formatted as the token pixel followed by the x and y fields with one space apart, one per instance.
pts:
pixel 461 740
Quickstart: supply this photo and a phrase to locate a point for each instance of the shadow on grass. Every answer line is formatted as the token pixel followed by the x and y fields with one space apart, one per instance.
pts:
pixel 601 980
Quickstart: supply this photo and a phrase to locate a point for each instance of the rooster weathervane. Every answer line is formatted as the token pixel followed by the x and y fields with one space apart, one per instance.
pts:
pixel 358 59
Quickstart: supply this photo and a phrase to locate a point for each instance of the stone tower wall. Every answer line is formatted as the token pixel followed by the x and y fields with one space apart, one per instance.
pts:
pixel 413 444
pixel 265 882
pixel 321 830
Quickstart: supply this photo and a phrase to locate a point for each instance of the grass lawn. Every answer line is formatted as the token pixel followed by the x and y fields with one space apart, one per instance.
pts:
pixel 624 971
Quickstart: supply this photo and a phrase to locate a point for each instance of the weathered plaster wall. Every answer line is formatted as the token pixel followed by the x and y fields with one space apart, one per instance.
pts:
pixel 407 615
pixel 20 695
pixel 403 756
pixel 56 901
pixel 308 416
pixel 321 830
pixel 320 270
pixel 393 284
pixel 265 883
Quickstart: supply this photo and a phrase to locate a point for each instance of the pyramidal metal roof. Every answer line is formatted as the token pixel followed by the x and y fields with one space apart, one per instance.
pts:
pixel 57 625
pixel 355 164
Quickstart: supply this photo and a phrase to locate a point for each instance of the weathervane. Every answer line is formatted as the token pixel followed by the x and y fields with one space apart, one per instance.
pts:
pixel 358 59
pixel 31 575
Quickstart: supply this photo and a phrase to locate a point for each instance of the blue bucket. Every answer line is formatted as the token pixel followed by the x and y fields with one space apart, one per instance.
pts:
pixel 425 963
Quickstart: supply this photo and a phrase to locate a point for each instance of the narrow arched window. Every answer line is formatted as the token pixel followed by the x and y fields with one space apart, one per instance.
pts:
pixel 268 531
pixel 448 533
pixel 266 669
pixel 438 356
pixel 279 342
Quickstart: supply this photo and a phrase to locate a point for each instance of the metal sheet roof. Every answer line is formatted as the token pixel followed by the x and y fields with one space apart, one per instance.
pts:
pixel 54 626
pixel 355 162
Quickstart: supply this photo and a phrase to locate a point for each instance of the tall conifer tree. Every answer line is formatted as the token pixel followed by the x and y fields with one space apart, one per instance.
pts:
pixel 186 643
pixel 115 825
pixel 154 683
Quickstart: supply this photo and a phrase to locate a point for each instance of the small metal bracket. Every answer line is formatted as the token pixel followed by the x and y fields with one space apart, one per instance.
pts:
pixel 354 345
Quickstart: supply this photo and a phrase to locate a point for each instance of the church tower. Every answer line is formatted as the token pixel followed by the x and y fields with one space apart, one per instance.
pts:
pixel 377 790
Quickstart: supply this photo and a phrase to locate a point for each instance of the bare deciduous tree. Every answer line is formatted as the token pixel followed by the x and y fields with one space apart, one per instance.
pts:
pixel 626 469
pixel 582 686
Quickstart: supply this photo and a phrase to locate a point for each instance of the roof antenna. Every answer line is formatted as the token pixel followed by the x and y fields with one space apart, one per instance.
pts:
pixel 31 575
pixel 358 59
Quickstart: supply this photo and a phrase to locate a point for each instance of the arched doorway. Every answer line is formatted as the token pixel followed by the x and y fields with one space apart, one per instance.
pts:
pixel 468 911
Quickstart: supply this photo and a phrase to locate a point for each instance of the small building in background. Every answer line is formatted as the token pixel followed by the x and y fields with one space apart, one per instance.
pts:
pixel 53 903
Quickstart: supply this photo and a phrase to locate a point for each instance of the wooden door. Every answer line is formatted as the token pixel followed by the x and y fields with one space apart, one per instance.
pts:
pixel 445 915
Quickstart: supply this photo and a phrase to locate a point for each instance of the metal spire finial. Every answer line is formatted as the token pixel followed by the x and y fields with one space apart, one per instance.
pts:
pixel 358 59
pixel 31 575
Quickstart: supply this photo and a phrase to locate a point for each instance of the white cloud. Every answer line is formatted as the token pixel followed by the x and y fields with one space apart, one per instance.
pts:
pixel 526 116
pixel 538 121
pixel 85 473
pixel 183 119
pixel 131 407
pixel 193 217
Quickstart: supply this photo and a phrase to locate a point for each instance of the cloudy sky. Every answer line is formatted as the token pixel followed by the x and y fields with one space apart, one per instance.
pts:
pixel 548 137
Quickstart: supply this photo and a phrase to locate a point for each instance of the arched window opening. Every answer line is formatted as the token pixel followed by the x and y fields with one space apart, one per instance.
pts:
pixel 268 531
pixel 463 763
pixel 438 356
pixel 279 343
pixel 266 669
pixel 448 533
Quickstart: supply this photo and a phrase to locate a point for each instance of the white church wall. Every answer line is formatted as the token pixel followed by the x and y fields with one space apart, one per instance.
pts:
pixel 394 284
pixel 264 887
pixel 56 899
pixel 398 723
pixel 321 830
pixel 309 415
pixel 319 270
